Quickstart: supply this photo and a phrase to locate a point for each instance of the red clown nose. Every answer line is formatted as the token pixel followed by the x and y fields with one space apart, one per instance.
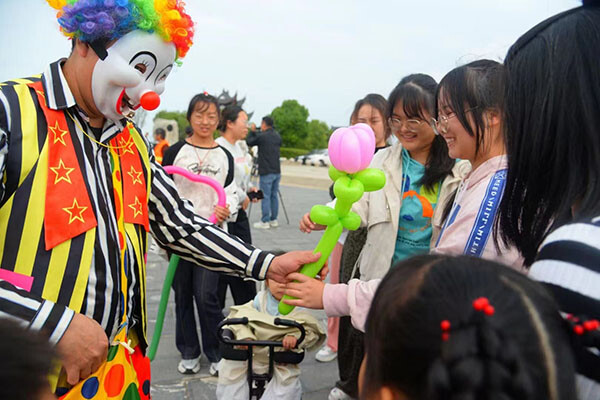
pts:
pixel 150 101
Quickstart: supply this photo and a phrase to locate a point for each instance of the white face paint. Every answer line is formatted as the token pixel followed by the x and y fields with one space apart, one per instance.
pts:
pixel 137 64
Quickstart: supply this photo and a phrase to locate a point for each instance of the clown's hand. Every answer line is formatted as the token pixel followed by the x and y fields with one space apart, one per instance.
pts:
pixel 83 348
pixel 290 262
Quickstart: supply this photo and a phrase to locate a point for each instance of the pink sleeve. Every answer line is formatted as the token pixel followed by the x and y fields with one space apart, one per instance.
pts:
pixel 353 299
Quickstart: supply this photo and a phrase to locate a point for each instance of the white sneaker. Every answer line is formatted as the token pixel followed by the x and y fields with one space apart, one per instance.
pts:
pixel 214 369
pixel 274 223
pixel 326 354
pixel 261 225
pixel 189 367
pixel 338 394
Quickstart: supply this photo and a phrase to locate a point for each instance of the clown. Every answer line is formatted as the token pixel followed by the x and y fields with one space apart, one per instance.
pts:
pixel 80 190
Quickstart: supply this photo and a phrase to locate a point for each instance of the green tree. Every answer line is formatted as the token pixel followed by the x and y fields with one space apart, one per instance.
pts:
pixel 178 116
pixel 318 135
pixel 291 120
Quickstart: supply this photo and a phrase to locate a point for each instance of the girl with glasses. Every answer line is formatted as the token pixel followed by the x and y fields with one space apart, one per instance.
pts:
pixel 469 118
pixel 403 218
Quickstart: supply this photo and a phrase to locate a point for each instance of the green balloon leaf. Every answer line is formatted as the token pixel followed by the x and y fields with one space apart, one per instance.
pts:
pixel 372 179
pixel 349 190
pixel 351 221
pixel 334 174
pixel 324 215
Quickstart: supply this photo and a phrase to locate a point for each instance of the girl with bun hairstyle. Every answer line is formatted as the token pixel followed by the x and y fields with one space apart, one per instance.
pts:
pixel 465 328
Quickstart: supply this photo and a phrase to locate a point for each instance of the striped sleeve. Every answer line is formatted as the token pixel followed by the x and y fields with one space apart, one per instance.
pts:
pixel 3 154
pixel 3 142
pixel 177 228
pixel 568 264
pixel 34 313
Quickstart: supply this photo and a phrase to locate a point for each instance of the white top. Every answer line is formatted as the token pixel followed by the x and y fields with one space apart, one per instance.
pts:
pixel 242 161
pixel 212 162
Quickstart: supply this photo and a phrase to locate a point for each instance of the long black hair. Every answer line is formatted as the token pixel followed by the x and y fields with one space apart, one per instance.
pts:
pixel 520 352
pixel 552 128
pixel 229 114
pixel 417 94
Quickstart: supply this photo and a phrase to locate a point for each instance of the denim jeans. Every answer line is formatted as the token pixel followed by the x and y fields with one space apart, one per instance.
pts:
pixel 194 282
pixel 269 184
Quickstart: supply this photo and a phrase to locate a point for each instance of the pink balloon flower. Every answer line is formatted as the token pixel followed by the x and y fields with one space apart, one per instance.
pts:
pixel 351 149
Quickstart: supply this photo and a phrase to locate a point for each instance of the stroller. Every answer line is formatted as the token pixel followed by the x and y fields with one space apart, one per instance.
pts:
pixel 257 382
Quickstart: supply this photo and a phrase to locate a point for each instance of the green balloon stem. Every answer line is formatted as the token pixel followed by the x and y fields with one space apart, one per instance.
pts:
pixel 164 299
pixel 325 247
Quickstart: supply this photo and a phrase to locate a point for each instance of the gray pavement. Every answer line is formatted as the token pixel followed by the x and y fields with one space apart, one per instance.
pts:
pixel 317 378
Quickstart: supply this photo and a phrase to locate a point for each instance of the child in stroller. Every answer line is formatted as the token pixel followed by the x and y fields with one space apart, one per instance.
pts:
pixel 252 348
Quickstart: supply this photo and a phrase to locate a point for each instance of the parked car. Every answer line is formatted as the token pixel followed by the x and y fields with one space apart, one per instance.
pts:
pixel 303 157
pixel 319 158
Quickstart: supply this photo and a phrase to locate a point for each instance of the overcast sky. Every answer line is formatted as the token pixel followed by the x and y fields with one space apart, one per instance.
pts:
pixel 325 53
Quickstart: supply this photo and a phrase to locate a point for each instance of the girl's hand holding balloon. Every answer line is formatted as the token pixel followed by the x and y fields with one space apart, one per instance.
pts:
pixel 308 292
pixel 307 225
pixel 222 213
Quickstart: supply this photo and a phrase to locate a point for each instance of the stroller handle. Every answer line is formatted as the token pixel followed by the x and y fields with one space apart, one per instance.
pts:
pixel 244 321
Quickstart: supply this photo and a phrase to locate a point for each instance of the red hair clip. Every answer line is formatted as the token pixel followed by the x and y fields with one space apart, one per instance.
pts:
pixel 480 304
pixel 483 304
pixel 445 325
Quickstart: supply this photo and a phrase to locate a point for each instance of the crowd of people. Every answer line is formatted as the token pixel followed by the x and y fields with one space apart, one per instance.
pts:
pixel 474 275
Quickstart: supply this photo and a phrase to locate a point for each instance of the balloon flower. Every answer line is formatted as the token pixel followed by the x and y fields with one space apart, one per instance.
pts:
pixel 350 151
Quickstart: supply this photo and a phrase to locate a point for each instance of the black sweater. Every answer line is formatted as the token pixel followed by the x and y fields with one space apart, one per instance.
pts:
pixel 269 143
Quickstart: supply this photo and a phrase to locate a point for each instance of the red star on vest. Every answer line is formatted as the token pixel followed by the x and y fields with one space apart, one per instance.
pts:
pixel 58 134
pixel 126 146
pixel 136 207
pixel 62 172
pixel 135 176
pixel 75 212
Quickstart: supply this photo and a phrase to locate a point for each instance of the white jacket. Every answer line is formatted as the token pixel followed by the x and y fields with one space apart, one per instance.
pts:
pixel 379 211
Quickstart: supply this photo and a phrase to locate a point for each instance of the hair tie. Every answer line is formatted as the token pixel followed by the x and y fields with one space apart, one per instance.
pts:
pixel 481 304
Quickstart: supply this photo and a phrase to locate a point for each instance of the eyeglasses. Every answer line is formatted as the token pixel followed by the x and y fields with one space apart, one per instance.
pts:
pixel 211 119
pixel 440 125
pixel 412 125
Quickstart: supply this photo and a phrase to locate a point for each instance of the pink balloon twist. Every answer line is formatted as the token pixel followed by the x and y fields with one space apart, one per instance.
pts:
pixel 221 198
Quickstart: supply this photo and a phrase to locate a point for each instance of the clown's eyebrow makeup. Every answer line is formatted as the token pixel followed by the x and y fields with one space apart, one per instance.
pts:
pixel 149 58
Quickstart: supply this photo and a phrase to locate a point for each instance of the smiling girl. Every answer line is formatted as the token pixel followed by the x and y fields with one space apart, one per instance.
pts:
pixel 200 154
pixel 469 108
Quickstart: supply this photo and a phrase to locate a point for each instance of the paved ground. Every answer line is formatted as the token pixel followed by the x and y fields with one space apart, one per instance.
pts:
pixel 167 383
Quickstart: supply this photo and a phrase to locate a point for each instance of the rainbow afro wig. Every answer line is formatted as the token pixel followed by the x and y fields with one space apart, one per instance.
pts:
pixel 106 20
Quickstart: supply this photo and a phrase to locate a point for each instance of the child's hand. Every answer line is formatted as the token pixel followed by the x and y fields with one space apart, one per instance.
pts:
pixel 222 213
pixel 307 225
pixel 289 342
pixel 308 291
